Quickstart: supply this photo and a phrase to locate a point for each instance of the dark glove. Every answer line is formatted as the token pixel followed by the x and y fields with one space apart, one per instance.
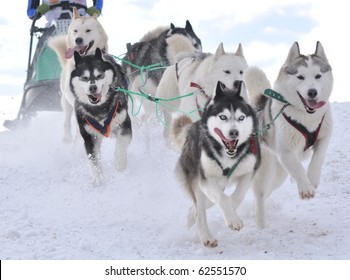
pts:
pixel 43 9
pixel 92 10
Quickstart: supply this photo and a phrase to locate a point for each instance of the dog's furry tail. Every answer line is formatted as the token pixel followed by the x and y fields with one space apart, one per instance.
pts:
pixel 256 82
pixel 58 44
pixel 179 129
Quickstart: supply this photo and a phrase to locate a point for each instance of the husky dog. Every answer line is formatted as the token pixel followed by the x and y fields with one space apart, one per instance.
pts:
pixel 85 34
pixel 199 73
pixel 217 150
pixel 160 45
pixel 101 109
pixel 305 82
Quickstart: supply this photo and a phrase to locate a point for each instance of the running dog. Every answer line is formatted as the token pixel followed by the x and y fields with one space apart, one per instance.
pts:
pixel 198 73
pixel 218 150
pixel 304 125
pixel 101 109
pixel 159 46
pixel 85 34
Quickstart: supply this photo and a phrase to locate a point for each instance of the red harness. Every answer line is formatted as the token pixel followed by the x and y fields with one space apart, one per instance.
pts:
pixel 195 85
pixel 310 137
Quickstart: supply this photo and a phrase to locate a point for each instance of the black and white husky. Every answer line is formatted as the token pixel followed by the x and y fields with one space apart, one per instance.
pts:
pixel 101 109
pixel 218 150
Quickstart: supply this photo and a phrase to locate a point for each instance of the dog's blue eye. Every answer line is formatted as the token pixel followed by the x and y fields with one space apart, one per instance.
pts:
pixel 223 117
pixel 227 71
pixel 241 118
pixel 100 76
pixel 84 78
pixel 300 77
pixel 318 76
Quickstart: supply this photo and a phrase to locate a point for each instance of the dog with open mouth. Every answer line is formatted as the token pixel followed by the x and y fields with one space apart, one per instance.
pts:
pixel 303 128
pixel 85 34
pixel 217 151
pixel 101 108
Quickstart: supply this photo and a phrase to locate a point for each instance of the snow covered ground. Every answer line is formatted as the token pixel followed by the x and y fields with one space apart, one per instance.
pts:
pixel 49 210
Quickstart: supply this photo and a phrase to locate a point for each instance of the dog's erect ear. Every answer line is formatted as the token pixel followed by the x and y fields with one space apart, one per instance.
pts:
pixel 172 26
pixel 98 54
pixel 188 26
pixel 294 52
pixel 77 57
pixel 75 13
pixel 219 51
pixel 219 92
pixel 320 51
pixel 239 51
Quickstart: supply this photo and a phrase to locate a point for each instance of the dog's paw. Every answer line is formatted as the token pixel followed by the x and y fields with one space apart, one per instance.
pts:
pixel 307 191
pixel 210 243
pixel 96 182
pixel 235 224
pixel 120 164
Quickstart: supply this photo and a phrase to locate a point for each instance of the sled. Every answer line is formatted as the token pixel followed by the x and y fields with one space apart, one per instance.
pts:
pixel 41 90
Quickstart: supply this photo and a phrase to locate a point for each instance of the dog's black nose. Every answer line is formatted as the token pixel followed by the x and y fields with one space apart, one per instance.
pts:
pixel 312 93
pixel 79 41
pixel 93 88
pixel 233 133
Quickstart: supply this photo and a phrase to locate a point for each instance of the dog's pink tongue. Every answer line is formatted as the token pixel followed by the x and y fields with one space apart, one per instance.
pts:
pixel 70 52
pixel 316 105
pixel 230 143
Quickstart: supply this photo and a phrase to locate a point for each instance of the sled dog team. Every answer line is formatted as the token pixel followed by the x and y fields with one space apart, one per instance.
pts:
pixel 241 131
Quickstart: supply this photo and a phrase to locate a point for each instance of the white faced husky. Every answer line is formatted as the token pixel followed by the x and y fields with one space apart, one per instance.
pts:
pixel 306 83
pixel 85 34
pixel 199 73
pixel 101 109
pixel 218 150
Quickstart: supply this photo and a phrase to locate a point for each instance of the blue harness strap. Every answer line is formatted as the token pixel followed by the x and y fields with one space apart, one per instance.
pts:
pixel 106 127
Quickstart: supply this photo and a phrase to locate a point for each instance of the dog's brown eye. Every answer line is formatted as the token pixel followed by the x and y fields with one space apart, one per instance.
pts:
pixel 241 72
pixel 318 76
pixel 227 71
pixel 88 30
pixel 75 31
pixel 300 77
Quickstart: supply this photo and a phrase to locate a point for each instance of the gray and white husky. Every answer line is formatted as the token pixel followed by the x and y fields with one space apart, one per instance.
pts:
pixel 101 109
pixel 160 45
pixel 218 150
pixel 304 127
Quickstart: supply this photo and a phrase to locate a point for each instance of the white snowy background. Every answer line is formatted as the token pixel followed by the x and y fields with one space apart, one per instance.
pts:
pixel 49 210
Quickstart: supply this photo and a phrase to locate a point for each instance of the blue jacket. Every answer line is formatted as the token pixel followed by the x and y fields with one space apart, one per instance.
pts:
pixel 33 4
